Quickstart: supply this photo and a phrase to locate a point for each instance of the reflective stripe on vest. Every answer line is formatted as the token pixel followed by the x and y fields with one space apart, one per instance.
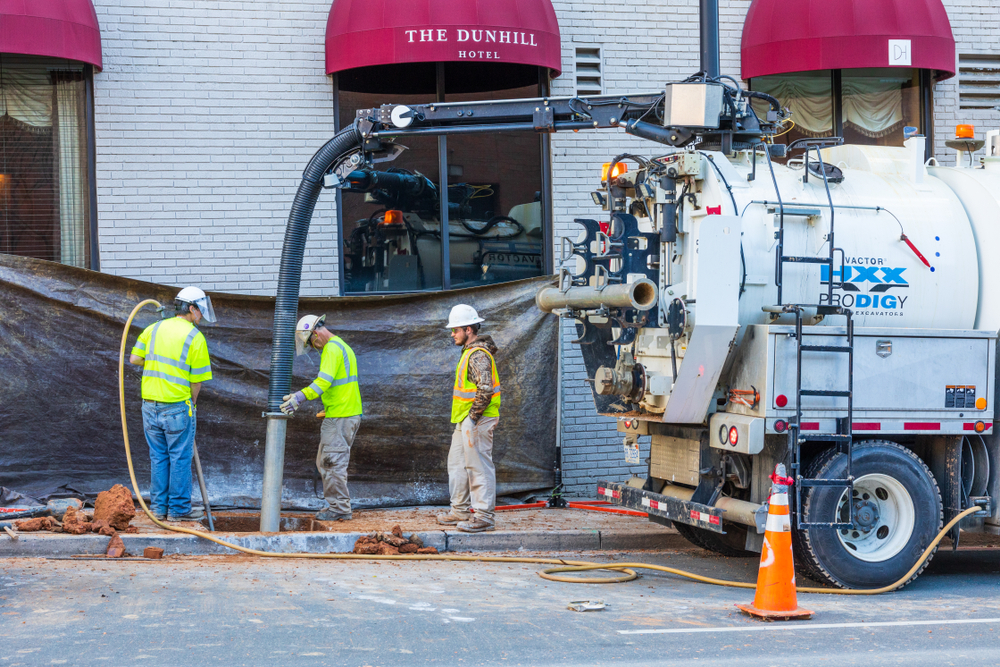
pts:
pixel 464 392
pixel 174 372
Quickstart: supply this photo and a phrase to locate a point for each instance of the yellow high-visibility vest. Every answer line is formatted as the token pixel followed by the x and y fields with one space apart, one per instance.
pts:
pixel 465 389
pixel 337 381
pixel 176 355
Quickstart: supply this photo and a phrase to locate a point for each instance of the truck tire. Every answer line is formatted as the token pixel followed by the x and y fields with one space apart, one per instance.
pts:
pixel 732 543
pixel 898 511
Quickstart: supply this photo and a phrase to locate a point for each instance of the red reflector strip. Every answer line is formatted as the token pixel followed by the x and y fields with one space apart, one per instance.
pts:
pixel 707 518
pixel 921 426
pixel 810 426
pixel 968 426
pixel 866 426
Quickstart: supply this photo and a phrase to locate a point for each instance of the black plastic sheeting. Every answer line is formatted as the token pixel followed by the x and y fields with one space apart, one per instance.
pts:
pixel 60 429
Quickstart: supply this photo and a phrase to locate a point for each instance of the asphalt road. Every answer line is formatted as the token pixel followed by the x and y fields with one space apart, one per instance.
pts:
pixel 242 611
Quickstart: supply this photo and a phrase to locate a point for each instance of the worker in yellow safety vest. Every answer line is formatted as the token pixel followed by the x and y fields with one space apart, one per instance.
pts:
pixel 174 359
pixel 475 411
pixel 337 383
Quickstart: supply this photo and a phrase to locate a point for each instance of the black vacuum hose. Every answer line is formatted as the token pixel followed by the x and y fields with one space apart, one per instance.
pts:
pixel 286 306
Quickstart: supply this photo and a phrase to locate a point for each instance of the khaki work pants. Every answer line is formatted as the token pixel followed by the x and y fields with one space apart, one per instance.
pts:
pixel 472 478
pixel 335 439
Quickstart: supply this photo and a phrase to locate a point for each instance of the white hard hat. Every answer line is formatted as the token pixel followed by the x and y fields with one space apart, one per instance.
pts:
pixel 463 316
pixel 304 329
pixel 195 296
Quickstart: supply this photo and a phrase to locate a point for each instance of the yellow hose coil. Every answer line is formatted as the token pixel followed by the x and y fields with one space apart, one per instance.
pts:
pixel 626 571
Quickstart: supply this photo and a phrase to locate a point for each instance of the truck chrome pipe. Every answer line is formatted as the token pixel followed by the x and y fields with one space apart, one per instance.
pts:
pixel 641 295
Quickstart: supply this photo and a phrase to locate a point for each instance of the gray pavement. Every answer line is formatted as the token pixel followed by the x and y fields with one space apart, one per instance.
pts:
pixel 248 611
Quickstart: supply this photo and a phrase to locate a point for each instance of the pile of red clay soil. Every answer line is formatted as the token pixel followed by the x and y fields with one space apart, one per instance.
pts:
pixel 113 511
pixel 391 544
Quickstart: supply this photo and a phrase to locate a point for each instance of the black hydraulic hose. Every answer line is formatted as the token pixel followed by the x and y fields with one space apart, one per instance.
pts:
pixel 286 305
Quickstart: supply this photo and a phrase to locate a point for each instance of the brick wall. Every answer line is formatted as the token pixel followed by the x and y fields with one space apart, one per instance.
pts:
pixel 206 114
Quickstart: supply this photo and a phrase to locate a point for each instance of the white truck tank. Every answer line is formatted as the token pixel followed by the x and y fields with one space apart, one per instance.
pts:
pixel 910 257
pixel 884 195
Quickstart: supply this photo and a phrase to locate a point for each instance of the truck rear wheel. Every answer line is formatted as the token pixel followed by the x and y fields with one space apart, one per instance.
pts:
pixel 732 543
pixel 897 512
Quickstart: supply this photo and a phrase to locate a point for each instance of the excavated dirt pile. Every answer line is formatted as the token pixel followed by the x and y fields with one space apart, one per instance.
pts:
pixel 113 511
pixel 115 506
pixel 391 544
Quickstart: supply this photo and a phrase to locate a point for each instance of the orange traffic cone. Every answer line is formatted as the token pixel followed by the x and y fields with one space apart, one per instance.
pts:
pixel 775 598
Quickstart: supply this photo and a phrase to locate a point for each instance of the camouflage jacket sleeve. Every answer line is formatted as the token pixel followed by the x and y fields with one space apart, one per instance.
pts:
pixel 480 372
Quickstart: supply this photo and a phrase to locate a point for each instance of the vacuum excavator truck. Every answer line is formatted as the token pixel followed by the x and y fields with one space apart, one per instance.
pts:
pixel 744 303
pixel 836 312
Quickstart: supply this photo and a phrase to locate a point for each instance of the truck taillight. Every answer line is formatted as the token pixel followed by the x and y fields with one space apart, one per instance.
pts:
pixel 980 427
pixel 781 400
pixel 780 426
pixel 734 436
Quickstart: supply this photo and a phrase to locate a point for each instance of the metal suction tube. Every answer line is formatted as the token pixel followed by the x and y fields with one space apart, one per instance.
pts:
pixel 641 295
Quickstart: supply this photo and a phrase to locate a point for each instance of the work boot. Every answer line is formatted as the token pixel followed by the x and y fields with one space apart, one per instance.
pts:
pixel 196 514
pixel 330 515
pixel 450 518
pixel 475 526
pixel 159 516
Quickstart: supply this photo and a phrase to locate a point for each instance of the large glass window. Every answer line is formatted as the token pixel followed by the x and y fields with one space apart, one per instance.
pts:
pixel 864 106
pixel 45 194
pixel 393 236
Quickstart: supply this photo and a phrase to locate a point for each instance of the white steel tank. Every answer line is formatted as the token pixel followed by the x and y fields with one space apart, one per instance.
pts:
pixel 885 194
pixel 978 189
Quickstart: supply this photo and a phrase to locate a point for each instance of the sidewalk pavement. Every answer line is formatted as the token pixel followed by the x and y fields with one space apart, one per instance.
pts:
pixel 530 530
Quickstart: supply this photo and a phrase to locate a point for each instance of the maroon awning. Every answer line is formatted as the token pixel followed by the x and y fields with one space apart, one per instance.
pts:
pixel 362 33
pixel 781 36
pixel 55 28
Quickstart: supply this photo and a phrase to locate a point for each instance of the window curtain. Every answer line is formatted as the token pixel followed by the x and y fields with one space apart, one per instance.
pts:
pixel 71 176
pixel 872 106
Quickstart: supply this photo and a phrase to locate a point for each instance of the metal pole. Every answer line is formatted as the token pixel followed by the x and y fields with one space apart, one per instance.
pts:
pixel 204 489
pixel 274 466
pixel 709 16
pixel 443 190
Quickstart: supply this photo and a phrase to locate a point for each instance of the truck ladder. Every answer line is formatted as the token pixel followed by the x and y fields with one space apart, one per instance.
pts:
pixel 842 436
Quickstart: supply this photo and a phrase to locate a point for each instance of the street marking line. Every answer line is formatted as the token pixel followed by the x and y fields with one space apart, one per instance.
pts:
pixel 809 626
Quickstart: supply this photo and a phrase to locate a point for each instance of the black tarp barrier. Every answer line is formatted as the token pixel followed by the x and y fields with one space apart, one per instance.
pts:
pixel 60 429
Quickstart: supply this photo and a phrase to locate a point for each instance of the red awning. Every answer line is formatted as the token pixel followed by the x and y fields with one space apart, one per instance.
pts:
pixel 361 33
pixel 55 28
pixel 782 36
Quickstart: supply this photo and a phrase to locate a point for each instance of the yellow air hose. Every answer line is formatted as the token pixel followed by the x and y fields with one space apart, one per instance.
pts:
pixel 625 571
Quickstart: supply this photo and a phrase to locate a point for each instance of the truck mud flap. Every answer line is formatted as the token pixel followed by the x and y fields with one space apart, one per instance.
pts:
pixel 693 514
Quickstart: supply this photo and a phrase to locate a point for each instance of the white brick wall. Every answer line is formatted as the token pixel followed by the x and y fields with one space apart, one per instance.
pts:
pixel 206 114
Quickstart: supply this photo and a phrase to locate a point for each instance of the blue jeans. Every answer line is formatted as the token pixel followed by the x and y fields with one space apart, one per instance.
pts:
pixel 169 429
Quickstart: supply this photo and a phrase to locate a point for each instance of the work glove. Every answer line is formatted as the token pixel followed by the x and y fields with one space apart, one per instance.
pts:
pixel 292 402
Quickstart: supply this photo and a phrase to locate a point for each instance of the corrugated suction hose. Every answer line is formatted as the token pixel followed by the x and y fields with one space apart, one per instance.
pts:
pixel 286 305
pixel 623 571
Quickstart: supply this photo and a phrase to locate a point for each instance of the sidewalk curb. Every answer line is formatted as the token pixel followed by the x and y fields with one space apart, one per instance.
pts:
pixel 41 545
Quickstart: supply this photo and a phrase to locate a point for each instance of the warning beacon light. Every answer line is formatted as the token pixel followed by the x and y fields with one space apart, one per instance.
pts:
pixel 616 171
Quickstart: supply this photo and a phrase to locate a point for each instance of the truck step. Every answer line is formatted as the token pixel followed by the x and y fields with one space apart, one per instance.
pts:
pixel 809 481
pixel 825 392
pixel 825 437
pixel 834 526
pixel 806 260
pixel 826 348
